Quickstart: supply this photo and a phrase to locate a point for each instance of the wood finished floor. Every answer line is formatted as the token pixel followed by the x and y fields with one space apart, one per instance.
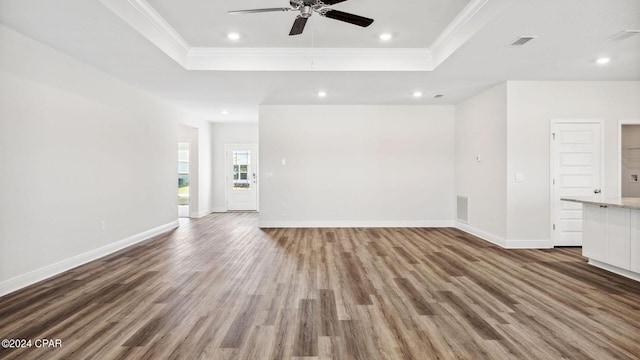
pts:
pixel 220 288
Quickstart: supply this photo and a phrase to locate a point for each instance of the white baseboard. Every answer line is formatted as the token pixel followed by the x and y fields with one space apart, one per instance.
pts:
pixel 616 270
pixel 505 243
pixel 48 271
pixel 202 214
pixel 354 224
pixel 529 244
pixel 219 209
pixel 481 234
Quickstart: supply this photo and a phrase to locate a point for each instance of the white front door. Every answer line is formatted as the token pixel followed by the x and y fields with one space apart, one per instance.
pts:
pixel 576 172
pixel 242 177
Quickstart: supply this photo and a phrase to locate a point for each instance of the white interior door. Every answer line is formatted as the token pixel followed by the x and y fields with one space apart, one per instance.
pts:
pixel 242 177
pixel 576 172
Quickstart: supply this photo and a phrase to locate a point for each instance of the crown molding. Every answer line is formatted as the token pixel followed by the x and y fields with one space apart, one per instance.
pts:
pixel 309 59
pixel 143 18
pixel 476 15
pixel 160 23
pixel 140 15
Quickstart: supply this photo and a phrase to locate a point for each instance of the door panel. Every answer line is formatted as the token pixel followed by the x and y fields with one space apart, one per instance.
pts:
pixel 576 173
pixel 242 177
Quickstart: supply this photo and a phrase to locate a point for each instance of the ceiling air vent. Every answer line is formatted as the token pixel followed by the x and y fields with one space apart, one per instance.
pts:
pixel 522 40
pixel 624 34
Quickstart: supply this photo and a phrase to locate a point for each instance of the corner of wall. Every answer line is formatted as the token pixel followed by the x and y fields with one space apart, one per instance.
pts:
pixel 497 240
pixel 505 243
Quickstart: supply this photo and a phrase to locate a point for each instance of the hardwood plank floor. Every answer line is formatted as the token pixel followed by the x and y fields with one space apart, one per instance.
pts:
pixel 220 288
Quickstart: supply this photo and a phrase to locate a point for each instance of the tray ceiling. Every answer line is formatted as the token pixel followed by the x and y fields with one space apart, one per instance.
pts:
pixel 471 54
pixel 441 33
pixel 414 24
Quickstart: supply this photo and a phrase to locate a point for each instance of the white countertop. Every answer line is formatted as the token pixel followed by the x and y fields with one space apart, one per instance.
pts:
pixel 625 202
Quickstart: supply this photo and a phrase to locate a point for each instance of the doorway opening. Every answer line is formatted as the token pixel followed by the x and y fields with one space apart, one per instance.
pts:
pixel 629 158
pixel 184 179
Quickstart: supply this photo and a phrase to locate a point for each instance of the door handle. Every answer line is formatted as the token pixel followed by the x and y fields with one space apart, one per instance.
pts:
pixel 596 191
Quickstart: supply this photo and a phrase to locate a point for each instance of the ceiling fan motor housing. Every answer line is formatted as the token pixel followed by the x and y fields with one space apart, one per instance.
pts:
pixel 306 11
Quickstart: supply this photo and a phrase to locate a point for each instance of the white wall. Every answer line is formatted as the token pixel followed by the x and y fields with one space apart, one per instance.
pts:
pixel 188 134
pixel 77 148
pixel 531 106
pixel 201 199
pixel 357 165
pixel 481 130
pixel 221 135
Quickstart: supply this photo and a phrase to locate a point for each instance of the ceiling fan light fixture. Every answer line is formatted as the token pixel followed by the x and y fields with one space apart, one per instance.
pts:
pixel 322 93
pixel 386 36
pixel 603 60
pixel 417 94
pixel 306 8
pixel 233 36
pixel 225 112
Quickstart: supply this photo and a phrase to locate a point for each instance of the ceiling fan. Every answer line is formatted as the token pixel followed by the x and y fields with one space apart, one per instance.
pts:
pixel 307 8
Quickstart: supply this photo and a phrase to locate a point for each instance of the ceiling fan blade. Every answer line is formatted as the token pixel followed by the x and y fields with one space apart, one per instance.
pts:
pixel 332 2
pixel 346 17
pixel 298 26
pixel 255 11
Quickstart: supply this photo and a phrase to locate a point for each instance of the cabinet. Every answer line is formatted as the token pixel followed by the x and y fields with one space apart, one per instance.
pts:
pixel 607 235
pixel 611 234
pixel 593 232
pixel 618 237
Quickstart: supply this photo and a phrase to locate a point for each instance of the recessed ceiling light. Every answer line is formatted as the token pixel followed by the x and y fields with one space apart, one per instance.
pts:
pixel 225 112
pixel 417 94
pixel 322 93
pixel 385 37
pixel 603 60
pixel 233 36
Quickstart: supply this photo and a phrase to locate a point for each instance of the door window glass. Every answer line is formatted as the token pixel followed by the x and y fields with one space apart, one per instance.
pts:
pixel 183 174
pixel 241 168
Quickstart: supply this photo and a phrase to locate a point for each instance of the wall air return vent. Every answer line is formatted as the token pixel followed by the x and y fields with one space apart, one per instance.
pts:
pixel 522 40
pixel 624 34
pixel 462 208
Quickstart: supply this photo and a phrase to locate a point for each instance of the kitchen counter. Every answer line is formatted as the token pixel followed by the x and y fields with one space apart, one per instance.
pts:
pixel 625 202
pixel 611 233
